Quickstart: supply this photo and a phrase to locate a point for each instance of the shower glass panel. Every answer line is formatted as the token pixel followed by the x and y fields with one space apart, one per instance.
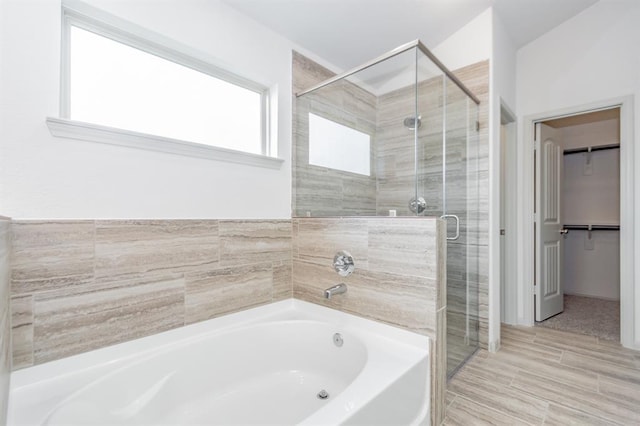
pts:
pixel 415 129
pixel 460 211
pixel 370 104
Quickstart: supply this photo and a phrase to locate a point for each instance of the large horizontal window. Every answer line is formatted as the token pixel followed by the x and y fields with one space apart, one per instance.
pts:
pixel 121 81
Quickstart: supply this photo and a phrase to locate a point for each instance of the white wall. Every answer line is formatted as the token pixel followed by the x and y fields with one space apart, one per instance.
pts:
pixel 591 195
pixel 588 59
pixel 468 45
pixel 593 272
pixel 605 132
pixel 47 177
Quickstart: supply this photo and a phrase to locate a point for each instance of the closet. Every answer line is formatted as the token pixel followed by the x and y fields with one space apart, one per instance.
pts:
pixel 590 215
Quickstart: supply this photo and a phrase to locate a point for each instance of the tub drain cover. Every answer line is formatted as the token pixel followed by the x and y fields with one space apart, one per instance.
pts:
pixel 323 394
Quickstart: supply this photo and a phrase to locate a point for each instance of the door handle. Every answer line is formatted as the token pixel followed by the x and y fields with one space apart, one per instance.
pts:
pixel 453 216
pixel 564 231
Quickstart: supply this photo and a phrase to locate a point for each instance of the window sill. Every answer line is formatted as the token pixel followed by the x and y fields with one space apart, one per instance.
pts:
pixel 79 130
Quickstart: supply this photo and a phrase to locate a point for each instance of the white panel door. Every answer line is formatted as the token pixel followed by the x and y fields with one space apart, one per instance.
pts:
pixel 549 239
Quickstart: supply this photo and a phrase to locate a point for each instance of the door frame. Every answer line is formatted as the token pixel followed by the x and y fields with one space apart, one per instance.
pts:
pixel 508 191
pixel 628 238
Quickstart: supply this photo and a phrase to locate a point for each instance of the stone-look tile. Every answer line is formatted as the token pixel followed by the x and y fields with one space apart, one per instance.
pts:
pixel 307 72
pixel 438 372
pixel 619 390
pixel 68 322
pixel 534 353
pixel 22 330
pixel 607 369
pixel 49 255
pixel 400 300
pixel 566 394
pixel 403 246
pixel 579 388
pixel 558 415
pixel 585 345
pixel 464 412
pixel 318 240
pixel 494 370
pixel 435 387
pixel 513 402
pixel 243 241
pixel 5 314
pixel 128 248
pixel 282 281
pixel 544 367
pixel 441 263
pixel 226 290
pixel 139 278
pixel 524 334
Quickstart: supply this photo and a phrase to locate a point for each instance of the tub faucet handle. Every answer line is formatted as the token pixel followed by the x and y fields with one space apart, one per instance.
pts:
pixel 343 263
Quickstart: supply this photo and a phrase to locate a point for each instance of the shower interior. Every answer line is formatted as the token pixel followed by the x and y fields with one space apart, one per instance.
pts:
pixel 398 136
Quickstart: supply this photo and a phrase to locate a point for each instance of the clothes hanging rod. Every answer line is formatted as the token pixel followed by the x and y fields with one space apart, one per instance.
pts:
pixel 593 227
pixel 593 148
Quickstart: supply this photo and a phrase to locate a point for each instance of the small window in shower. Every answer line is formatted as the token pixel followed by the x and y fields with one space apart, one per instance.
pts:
pixel 339 147
pixel 129 80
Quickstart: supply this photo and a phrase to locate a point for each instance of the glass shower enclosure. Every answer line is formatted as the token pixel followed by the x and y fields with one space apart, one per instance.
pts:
pixel 398 136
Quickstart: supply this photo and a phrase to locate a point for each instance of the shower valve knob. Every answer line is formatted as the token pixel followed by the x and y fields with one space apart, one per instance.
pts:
pixel 417 205
pixel 343 263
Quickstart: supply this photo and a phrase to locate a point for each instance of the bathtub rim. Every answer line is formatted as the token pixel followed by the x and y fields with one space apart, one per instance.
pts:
pixel 282 310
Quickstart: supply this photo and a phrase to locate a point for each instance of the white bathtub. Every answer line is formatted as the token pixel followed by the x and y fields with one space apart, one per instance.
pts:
pixel 261 366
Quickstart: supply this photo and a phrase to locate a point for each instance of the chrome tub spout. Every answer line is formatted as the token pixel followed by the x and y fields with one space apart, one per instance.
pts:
pixel 336 289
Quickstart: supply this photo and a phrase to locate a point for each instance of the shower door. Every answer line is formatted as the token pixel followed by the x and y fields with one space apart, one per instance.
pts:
pixel 460 210
pixel 447 178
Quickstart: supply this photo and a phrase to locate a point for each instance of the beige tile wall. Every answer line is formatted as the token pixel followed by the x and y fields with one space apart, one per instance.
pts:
pixel 82 285
pixel 399 277
pixel 5 324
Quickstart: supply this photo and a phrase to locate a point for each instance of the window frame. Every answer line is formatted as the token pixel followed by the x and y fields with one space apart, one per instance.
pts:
pixel 103 24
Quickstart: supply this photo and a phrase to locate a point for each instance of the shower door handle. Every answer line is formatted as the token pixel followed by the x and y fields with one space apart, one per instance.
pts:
pixel 452 216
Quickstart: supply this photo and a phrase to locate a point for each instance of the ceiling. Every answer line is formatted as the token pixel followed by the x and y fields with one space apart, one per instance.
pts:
pixel 347 33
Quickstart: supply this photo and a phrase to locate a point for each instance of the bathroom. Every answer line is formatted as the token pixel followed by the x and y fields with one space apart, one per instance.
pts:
pixel 112 241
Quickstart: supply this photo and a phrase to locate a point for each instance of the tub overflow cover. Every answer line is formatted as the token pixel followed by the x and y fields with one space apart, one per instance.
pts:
pixel 337 340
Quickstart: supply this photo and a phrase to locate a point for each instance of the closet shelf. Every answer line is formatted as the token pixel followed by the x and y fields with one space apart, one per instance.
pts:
pixel 591 148
pixel 593 227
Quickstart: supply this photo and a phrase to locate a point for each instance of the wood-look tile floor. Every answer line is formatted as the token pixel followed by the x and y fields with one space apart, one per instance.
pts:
pixel 547 377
